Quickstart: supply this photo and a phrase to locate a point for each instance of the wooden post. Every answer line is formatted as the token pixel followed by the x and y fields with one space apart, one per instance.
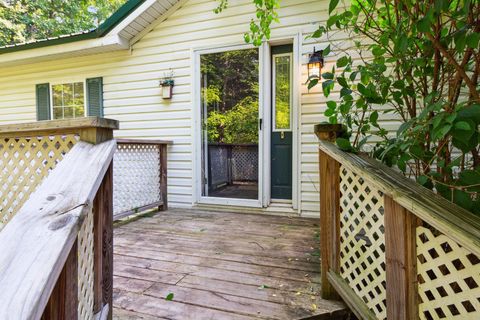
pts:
pixel 329 210
pixel 102 229
pixel 162 148
pixel 103 245
pixel 400 258
pixel 63 302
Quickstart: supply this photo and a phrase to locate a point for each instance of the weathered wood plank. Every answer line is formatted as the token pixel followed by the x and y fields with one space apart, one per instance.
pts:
pixel 143 141
pixel 329 221
pixel 163 153
pixel 196 256
pixel 37 241
pixel 63 302
pixel 448 218
pixel 218 269
pixel 170 309
pixel 214 247
pixel 103 244
pixel 400 261
pixel 211 262
pixel 59 125
pixel 355 303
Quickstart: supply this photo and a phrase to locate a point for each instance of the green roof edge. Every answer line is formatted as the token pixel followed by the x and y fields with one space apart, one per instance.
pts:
pixel 110 23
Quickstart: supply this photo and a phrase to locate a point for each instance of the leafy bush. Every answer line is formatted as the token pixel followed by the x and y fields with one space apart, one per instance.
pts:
pixel 237 125
pixel 419 66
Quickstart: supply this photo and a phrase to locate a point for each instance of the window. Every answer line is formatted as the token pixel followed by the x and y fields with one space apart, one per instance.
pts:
pixel 282 82
pixel 68 100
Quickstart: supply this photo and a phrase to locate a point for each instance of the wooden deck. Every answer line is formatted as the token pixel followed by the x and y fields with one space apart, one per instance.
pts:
pixel 219 265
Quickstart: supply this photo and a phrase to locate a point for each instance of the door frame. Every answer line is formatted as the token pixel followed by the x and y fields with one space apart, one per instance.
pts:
pixel 296 42
pixel 197 138
pixel 265 112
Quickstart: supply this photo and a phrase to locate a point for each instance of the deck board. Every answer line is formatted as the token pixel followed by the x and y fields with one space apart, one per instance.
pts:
pixel 219 265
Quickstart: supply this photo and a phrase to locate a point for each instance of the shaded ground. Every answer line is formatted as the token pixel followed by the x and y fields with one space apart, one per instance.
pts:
pixel 218 266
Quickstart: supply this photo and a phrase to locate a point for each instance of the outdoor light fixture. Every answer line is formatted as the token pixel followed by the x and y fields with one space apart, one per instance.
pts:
pixel 167 84
pixel 315 64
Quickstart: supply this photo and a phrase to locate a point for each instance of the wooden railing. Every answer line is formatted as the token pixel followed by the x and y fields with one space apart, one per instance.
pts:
pixel 391 248
pixel 56 253
pixel 139 176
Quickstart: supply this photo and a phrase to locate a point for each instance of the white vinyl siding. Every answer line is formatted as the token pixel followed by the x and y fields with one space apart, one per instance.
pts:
pixel 132 93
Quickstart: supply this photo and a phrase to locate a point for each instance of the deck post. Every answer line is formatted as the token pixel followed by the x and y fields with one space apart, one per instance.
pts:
pixel 102 229
pixel 63 302
pixel 163 176
pixel 329 210
pixel 400 259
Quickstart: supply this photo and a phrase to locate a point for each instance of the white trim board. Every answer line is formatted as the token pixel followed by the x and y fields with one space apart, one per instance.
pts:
pixel 265 101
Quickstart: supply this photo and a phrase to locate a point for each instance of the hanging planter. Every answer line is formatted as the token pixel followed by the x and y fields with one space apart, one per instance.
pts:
pixel 167 84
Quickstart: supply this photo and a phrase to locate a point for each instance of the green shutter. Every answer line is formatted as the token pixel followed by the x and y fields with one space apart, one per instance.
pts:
pixel 95 97
pixel 43 101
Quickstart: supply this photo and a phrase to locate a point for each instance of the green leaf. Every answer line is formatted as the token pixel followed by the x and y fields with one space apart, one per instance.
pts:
pixel 374 117
pixel 327 86
pixel 327 75
pixel 342 62
pixel 332 6
pixel 472 40
pixel 312 83
pixel 424 25
pixel 343 82
pixel 422 180
pixel 169 297
pixel 463 199
pixel 331 104
pixel 344 144
pixel 326 51
pixel 463 125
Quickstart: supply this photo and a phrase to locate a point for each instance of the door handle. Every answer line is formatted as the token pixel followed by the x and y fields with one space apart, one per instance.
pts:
pixel 282 135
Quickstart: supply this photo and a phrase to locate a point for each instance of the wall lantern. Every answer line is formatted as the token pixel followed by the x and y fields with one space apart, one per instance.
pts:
pixel 315 64
pixel 167 84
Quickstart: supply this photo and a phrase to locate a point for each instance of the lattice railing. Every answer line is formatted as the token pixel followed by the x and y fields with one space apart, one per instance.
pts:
pixel 362 240
pixel 25 161
pixel 86 258
pixel 56 219
pixel 448 277
pixel 140 176
pixel 390 248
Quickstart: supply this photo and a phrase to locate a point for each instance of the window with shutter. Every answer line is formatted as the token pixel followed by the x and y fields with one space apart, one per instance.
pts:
pixel 95 97
pixel 43 101
pixel 68 100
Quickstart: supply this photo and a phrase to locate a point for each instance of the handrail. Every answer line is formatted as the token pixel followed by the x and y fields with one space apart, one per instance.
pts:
pixel 460 224
pixel 35 244
pixel 388 245
pixel 63 126
pixel 143 141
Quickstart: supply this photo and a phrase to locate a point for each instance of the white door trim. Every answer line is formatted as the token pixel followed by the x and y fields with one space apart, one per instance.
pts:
pixel 265 81
pixel 197 137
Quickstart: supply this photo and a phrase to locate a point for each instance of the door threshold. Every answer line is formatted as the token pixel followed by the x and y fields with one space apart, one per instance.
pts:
pixel 286 201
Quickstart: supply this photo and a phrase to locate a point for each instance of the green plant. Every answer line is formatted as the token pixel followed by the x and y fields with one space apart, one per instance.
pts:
pixel 418 67
pixel 422 69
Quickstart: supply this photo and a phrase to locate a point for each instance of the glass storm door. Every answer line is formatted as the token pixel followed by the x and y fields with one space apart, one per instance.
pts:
pixel 281 138
pixel 230 119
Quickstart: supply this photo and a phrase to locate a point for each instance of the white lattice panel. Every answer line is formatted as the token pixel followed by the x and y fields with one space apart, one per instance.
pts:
pixel 136 176
pixel 362 241
pixel 85 269
pixel 448 278
pixel 24 163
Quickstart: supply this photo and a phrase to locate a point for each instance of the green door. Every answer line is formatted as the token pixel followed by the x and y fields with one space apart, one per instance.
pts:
pixel 281 138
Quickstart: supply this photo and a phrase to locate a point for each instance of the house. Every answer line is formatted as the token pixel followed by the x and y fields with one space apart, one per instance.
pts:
pixel 115 70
